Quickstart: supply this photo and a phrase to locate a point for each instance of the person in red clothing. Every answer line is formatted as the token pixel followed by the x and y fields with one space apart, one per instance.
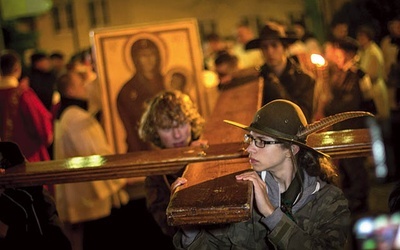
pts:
pixel 24 119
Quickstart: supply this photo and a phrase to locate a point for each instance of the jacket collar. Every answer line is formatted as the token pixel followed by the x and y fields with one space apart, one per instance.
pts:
pixel 311 185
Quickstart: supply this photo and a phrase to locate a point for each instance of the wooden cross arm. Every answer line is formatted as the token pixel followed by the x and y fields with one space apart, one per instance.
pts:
pixel 339 144
pixel 98 167
pixel 342 144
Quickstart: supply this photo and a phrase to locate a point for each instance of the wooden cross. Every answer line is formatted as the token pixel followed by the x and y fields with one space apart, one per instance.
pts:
pixel 212 194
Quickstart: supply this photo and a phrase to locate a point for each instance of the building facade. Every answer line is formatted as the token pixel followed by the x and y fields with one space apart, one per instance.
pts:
pixel 67 25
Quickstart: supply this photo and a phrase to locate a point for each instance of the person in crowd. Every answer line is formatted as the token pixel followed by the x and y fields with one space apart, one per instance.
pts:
pixel 213 45
pixel 302 51
pixel 283 77
pixel 298 49
pixel 42 79
pixel 226 64
pixel 297 201
pixel 371 61
pixel 311 43
pixel 28 215
pixel 246 58
pixel 170 120
pixel 82 63
pixel 338 30
pixel 57 60
pixel 390 48
pixel 84 207
pixel 24 118
pixel 228 71
pixel 350 90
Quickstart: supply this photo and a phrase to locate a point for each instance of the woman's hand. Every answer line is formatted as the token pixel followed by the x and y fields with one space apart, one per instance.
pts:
pixel 260 192
pixel 178 182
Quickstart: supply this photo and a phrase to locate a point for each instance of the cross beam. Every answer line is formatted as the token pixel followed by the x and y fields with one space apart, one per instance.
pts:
pixel 338 144
pixel 237 104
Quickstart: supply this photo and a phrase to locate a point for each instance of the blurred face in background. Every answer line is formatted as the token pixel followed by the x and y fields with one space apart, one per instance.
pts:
pixel 394 28
pixel 299 30
pixel 178 135
pixel 340 30
pixel 274 52
pixel 44 65
pixel 338 57
pixel 77 88
pixel 362 39
pixel 342 58
pixel 57 63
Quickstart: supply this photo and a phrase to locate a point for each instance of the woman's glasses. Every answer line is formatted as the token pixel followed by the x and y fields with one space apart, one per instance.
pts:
pixel 257 141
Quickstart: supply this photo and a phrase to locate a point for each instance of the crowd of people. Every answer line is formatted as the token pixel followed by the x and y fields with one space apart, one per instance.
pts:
pixel 53 110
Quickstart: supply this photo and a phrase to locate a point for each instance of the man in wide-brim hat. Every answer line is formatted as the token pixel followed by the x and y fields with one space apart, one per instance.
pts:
pixel 283 76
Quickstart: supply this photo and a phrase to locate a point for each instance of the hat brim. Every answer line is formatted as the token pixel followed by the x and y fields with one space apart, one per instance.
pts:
pixel 248 128
pixel 255 43
pixel 252 44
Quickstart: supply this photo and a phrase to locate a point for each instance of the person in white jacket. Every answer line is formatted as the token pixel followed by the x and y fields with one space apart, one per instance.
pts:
pixel 84 206
pixel 372 63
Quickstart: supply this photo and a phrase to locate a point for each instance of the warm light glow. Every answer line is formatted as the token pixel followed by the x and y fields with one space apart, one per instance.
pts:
pixel 318 60
pixel 210 79
pixel 88 161
pixel 348 139
pixel 327 140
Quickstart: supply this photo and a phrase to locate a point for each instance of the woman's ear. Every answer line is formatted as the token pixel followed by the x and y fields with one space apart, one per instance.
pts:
pixel 295 148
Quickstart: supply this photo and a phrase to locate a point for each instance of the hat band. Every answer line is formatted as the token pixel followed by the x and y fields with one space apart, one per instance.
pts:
pixel 274 132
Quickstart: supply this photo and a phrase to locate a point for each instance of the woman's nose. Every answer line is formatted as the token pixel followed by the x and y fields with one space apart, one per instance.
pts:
pixel 250 147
